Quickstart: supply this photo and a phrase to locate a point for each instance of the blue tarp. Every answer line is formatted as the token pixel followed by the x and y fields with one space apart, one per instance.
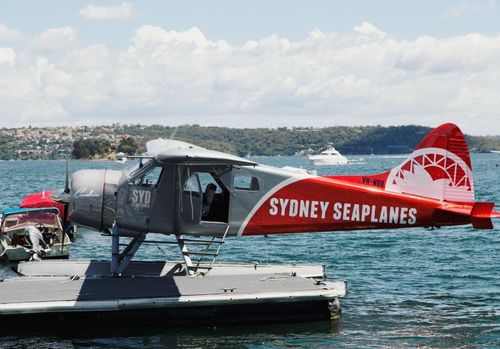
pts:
pixel 10 211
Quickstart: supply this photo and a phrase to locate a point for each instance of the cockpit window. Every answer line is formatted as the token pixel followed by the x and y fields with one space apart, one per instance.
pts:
pixel 136 166
pixel 153 178
pixel 150 178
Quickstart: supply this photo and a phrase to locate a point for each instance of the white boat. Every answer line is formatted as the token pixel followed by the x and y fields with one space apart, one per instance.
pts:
pixel 121 158
pixel 329 156
pixel 46 241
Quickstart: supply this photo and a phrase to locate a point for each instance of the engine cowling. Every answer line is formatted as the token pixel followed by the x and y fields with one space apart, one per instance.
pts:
pixel 93 198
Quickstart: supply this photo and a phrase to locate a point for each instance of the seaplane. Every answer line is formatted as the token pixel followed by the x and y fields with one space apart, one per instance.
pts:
pixel 180 189
pixel 201 197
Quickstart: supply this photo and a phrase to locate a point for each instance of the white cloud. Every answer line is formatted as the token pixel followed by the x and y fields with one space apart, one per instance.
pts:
pixel 95 13
pixel 55 39
pixel 368 29
pixel 363 77
pixel 9 35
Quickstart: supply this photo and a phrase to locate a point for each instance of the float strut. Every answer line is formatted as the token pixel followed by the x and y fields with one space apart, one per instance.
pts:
pixel 120 260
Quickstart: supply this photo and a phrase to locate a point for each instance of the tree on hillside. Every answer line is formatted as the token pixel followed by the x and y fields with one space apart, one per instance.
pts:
pixel 128 145
pixel 87 148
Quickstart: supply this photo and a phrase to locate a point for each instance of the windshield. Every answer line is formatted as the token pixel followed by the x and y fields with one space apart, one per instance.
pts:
pixel 136 166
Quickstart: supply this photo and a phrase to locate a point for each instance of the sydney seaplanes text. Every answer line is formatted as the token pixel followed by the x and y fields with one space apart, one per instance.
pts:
pixel 342 211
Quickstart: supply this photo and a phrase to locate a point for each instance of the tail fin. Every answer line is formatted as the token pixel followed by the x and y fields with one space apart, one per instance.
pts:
pixel 480 213
pixel 439 168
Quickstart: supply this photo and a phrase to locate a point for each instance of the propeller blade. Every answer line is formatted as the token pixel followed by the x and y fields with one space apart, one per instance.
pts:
pixel 66 183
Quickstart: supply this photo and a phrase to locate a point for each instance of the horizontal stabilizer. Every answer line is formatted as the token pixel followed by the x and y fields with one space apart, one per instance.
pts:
pixel 482 209
pixel 481 223
pixel 480 213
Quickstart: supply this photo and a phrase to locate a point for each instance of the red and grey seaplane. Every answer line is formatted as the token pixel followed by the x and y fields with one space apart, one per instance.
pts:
pixel 201 196
pixel 181 189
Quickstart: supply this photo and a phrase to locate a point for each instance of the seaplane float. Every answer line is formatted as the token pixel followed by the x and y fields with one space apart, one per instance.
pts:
pixel 201 197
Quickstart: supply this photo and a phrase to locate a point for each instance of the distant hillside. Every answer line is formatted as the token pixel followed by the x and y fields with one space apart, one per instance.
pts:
pixel 290 141
pixel 59 142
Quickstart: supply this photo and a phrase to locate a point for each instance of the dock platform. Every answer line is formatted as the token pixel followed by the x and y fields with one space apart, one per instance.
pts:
pixel 94 268
pixel 233 296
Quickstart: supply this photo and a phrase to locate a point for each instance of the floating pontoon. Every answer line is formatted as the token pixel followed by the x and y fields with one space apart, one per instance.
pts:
pixel 56 294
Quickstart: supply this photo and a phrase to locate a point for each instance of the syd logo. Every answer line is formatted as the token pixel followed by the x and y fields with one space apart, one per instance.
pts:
pixel 141 198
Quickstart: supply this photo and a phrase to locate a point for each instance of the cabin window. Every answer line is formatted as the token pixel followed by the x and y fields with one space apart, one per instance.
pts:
pixel 241 182
pixel 150 179
pixel 206 179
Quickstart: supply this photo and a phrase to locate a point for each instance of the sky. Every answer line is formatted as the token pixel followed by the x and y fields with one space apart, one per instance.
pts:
pixel 251 64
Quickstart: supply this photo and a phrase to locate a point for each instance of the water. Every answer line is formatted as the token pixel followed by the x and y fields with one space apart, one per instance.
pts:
pixel 408 288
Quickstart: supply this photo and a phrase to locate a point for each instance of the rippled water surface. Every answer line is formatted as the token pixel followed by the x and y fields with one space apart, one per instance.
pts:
pixel 407 288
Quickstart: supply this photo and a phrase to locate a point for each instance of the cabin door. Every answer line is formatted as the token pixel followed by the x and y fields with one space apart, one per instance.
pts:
pixel 205 197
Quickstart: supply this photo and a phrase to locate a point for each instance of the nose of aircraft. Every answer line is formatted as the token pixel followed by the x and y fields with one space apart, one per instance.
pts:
pixel 86 197
pixel 93 197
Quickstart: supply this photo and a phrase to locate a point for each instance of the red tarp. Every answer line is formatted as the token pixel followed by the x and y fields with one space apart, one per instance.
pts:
pixel 42 199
